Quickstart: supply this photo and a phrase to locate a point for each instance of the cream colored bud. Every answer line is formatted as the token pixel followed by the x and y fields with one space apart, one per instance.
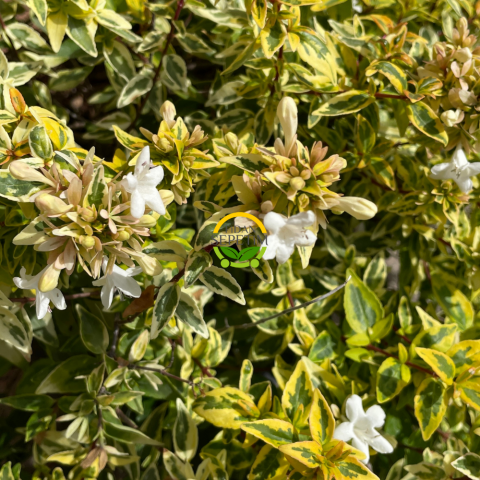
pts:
pixel 357 207
pixel 463 55
pixel 122 236
pixel 449 118
pixel 288 115
pixel 22 171
pixel 88 214
pixel 51 206
pixel 87 241
pixel 294 171
pixel 297 183
pixel 146 221
pixel 168 112
pixel 49 280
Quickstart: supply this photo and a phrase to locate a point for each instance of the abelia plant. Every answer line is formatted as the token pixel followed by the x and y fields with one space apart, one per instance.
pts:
pixel 140 140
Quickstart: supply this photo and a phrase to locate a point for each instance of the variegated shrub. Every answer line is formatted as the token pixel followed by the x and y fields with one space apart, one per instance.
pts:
pixel 349 349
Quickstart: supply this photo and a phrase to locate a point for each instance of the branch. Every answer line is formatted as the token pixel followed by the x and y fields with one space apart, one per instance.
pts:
pixel 289 310
pixel 410 364
pixel 170 36
pixel 162 371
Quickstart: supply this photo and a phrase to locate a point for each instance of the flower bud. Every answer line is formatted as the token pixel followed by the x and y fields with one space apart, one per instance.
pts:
pixel 22 171
pixel 297 183
pixel 146 221
pixel 51 206
pixel 87 241
pixel 357 207
pixel 122 236
pixel 168 112
pixel 288 115
pixel 463 55
pixel 49 280
pixel 88 214
pixel 449 118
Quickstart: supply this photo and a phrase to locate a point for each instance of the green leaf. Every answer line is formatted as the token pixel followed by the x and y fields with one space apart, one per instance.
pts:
pixel 128 435
pixel 197 263
pixel 139 85
pixel 425 119
pixel 40 144
pixel 185 433
pixel 63 379
pixel 175 69
pixel 430 405
pixel 441 364
pixel 322 423
pixel 395 74
pixel 469 465
pixel 465 354
pixel 392 377
pixel 274 432
pixel 165 305
pixel 93 332
pixel 298 395
pixel 97 191
pixel 13 332
pixel 226 407
pixel 82 32
pixel 308 453
pixel 28 402
pixel 322 348
pixel 455 304
pixel 65 80
pixel 40 8
pixel 270 464
pixel 188 312
pixel 345 103
pixel 362 307
pixel 17 190
pixel 246 373
pixel 220 281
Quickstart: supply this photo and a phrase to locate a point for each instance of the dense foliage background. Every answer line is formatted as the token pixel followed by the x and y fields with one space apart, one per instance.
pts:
pixel 174 384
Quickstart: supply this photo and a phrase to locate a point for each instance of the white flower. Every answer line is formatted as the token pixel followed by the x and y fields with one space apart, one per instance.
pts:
pixel 458 169
pixel 42 299
pixel 287 113
pixel 361 428
pixel 120 280
pixel 286 233
pixel 142 185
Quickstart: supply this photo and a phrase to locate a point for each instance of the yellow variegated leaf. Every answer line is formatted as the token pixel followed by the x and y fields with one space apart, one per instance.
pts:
pixel 470 392
pixel 353 469
pixel 322 423
pixel 441 364
pixel 272 39
pixel 395 74
pixel 223 283
pixel 298 392
pixel 226 407
pixel 465 355
pixel 273 431
pixel 430 405
pixel 345 103
pixel 308 453
pixel 425 119
pixel 392 377
pixel 270 464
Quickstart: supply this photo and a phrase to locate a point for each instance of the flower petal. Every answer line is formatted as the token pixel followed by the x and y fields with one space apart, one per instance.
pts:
pixel 376 416
pixel 143 162
pixel 381 444
pixel 137 205
pixel 363 447
pixel 284 252
pixel 443 171
pixel 56 297
pixel 344 432
pixel 274 222
pixel 127 285
pixel 354 408
pixel 41 304
pixel 303 219
pixel 154 200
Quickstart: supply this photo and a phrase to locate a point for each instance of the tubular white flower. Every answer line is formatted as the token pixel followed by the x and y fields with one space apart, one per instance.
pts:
pixel 361 428
pixel 357 207
pixel 120 280
pixel 42 299
pixel 142 185
pixel 458 169
pixel 286 233
pixel 288 115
